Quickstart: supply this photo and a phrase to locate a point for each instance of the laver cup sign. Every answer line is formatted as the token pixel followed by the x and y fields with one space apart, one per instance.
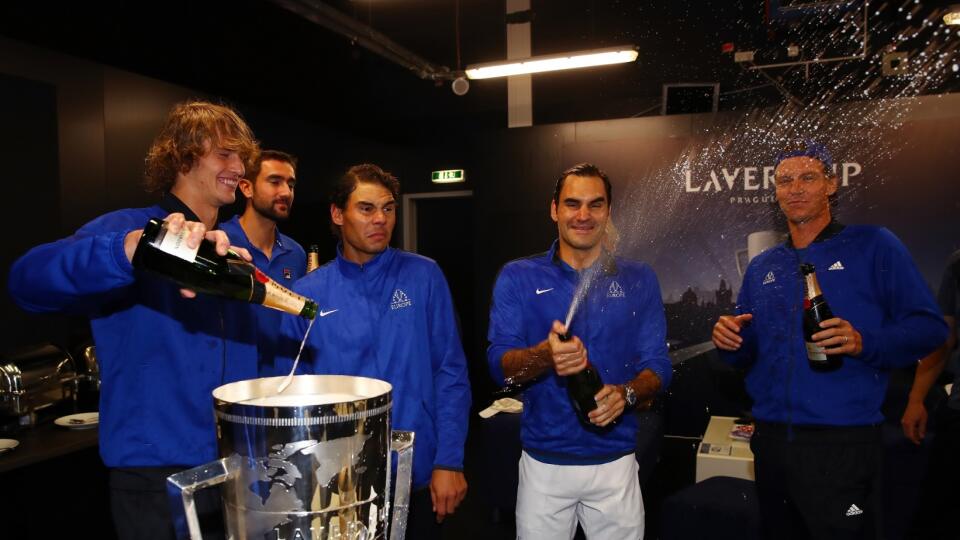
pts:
pixel 312 463
pixel 204 271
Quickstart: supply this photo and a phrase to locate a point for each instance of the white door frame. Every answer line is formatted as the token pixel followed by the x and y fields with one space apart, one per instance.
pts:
pixel 409 215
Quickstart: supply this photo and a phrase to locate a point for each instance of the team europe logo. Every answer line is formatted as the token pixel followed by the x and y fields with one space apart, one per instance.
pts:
pixel 615 291
pixel 400 300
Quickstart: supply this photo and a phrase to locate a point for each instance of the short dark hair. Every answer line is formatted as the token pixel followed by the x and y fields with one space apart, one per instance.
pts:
pixel 269 155
pixel 347 184
pixel 585 170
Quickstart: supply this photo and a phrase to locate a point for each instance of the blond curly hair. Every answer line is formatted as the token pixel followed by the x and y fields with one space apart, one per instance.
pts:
pixel 188 128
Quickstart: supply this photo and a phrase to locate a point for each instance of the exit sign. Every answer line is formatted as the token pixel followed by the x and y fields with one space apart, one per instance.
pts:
pixel 451 176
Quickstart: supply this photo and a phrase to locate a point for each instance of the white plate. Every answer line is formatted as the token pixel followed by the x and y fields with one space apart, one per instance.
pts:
pixel 8 444
pixel 79 421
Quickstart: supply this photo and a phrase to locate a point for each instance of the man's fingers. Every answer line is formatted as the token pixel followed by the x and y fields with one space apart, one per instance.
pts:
pixel 726 333
pixel 242 252
pixel 187 293
pixel 725 342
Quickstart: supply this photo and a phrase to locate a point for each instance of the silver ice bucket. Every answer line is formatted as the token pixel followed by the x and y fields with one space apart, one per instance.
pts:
pixel 311 463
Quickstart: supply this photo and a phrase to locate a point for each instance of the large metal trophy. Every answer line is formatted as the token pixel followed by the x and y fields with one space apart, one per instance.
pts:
pixel 310 463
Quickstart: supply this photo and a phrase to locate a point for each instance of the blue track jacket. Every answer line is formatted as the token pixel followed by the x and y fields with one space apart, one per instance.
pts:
pixel 868 278
pixel 287 264
pixel 160 355
pixel 621 323
pixel 392 319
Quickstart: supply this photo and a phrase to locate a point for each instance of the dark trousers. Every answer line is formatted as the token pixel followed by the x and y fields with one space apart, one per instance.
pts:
pixel 818 482
pixel 936 516
pixel 421 520
pixel 141 508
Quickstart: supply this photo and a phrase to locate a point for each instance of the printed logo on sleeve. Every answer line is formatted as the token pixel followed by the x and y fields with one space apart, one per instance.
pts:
pixel 400 300
pixel 769 278
pixel 541 291
pixel 836 266
pixel 615 291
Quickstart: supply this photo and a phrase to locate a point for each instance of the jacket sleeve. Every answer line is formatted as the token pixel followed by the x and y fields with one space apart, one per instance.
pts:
pixel 747 353
pixel 74 274
pixel 450 381
pixel 506 325
pixel 651 345
pixel 912 324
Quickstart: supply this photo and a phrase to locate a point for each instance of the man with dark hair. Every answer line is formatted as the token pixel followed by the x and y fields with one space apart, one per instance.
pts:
pixel 571 470
pixel 817 443
pixel 388 314
pixel 269 187
pixel 160 354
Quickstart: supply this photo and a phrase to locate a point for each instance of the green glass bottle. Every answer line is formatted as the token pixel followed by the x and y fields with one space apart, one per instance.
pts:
pixel 204 271
pixel 313 258
pixel 582 387
pixel 815 311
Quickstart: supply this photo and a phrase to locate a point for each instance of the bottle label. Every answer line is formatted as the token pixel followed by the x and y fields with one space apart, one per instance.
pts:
pixel 278 296
pixel 175 244
pixel 815 353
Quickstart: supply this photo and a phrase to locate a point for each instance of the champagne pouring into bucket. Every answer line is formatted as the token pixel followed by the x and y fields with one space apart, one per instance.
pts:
pixel 313 463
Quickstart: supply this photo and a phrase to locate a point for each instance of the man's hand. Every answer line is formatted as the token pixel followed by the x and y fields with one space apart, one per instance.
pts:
pixel 914 421
pixel 839 337
pixel 610 405
pixel 447 490
pixel 568 357
pixel 726 332
pixel 196 232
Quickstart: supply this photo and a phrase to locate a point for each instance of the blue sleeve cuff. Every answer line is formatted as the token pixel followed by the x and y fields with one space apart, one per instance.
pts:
pixel 119 254
pixel 495 361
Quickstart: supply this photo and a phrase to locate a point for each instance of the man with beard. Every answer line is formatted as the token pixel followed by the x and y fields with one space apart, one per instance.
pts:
pixel 571 469
pixel 388 314
pixel 269 189
pixel 817 444
pixel 161 351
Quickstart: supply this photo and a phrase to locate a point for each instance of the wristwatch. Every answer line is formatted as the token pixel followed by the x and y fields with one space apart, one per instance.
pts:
pixel 629 395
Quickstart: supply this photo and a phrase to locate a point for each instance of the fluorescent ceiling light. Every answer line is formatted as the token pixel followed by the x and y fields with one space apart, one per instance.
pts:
pixel 952 15
pixel 539 64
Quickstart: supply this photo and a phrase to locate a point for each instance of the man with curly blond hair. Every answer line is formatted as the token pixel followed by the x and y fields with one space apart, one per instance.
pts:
pixel 160 354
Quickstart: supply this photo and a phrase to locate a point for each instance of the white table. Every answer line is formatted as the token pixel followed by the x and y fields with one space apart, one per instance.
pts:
pixel 720 455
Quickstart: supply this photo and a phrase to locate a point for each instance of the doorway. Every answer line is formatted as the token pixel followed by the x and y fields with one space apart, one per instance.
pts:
pixel 441 226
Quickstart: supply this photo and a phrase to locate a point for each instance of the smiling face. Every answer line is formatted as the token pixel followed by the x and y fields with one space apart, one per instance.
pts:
pixel 804 190
pixel 212 180
pixel 271 193
pixel 581 215
pixel 366 223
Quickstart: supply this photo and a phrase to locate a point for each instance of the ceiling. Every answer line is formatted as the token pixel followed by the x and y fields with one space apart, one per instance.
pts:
pixel 256 52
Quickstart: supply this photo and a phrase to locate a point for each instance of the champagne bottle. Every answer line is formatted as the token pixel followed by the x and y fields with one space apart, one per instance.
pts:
pixel 582 387
pixel 815 311
pixel 204 271
pixel 313 258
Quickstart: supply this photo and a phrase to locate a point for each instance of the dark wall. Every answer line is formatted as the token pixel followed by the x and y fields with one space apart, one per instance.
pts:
pixel 78 144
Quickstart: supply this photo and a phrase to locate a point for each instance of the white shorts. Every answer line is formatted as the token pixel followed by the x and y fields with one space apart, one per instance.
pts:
pixel 605 499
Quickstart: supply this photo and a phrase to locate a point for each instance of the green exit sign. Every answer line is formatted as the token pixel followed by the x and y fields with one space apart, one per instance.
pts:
pixel 451 176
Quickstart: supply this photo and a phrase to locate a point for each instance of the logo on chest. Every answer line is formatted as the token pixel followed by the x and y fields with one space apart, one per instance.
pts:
pixel 769 278
pixel 400 300
pixel 615 291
